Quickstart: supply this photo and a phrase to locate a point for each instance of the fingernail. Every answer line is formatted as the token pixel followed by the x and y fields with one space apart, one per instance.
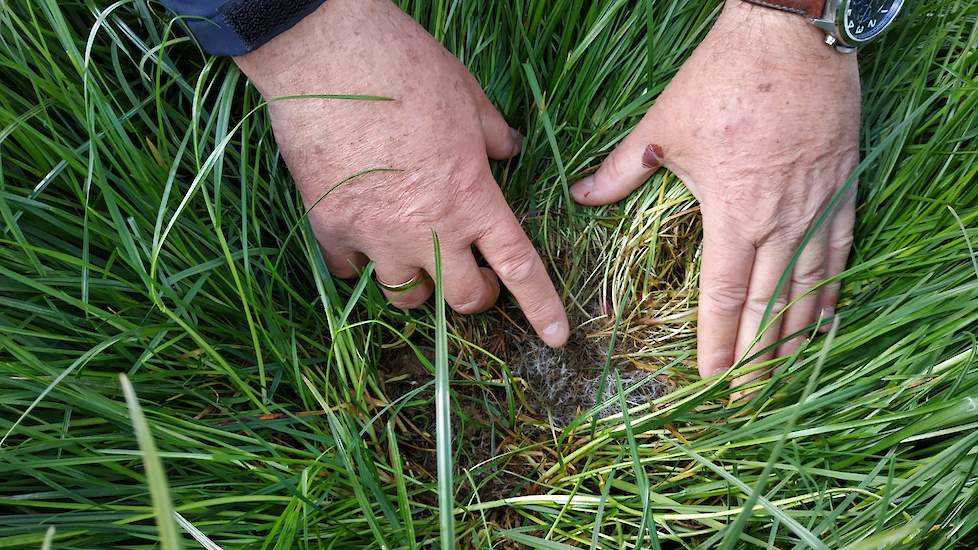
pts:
pixel 652 157
pixel 555 334
pixel 582 189
pixel 517 140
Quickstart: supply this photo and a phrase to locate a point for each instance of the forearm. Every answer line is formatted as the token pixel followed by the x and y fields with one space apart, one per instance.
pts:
pixel 782 34
pixel 778 52
pixel 321 40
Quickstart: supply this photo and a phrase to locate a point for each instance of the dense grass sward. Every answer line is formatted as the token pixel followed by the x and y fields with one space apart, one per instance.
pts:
pixel 150 230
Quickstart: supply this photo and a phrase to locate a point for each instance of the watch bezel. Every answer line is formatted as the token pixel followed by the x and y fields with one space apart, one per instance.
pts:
pixel 833 22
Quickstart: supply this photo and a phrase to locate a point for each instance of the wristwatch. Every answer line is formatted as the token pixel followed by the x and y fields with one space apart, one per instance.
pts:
pixel 847 24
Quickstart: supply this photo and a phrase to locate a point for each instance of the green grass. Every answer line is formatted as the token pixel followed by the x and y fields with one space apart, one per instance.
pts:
pixel 150 230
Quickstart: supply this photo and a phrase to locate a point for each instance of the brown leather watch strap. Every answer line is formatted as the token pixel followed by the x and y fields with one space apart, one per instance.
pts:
pixel 807 8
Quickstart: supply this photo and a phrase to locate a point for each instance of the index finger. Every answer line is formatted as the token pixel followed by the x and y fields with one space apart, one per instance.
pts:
pixel 508 250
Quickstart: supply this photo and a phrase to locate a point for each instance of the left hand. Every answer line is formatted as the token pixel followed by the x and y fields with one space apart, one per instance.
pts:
pixel 762 125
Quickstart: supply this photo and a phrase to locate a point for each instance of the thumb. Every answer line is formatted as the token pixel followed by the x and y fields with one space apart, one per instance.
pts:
pixel 502 142
pixel 631 163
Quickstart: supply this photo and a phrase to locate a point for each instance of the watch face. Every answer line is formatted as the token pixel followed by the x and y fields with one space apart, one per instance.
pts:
pixel 864 19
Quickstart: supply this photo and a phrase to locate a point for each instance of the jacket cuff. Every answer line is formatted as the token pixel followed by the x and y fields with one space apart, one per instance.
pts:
pixel 236 27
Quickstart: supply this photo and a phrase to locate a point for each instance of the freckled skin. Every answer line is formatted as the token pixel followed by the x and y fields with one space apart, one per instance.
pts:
pixel 432 140
pixel 762 125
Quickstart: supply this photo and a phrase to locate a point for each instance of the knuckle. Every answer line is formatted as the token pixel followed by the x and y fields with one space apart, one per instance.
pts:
pixel 467 194
pixel 471 301
pixel 343 271
pixel 402 302
pixel 841 243
pixel 758 305
pixel 462 183
pixel 790 235
pixel 809 275
pixel 418 211
pixel 831 292
pixel 344 266
pixel 611 170
pixel 466 181
pixel 755 223
pixel 539 309
pixel 520 267
pixel 725 299
pixel 762 231
pixel 784 234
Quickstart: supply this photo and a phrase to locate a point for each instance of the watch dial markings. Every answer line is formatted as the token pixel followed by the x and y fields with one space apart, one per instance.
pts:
pixel 864 19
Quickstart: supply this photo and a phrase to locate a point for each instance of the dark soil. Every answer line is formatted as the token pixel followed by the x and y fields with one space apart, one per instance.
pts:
pixel 498 432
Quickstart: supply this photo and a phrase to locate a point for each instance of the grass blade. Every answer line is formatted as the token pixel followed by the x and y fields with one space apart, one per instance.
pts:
pixel 159 490
pixel 443 413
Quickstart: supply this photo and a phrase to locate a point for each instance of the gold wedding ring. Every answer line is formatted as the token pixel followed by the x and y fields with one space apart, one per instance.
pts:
pixel 407 285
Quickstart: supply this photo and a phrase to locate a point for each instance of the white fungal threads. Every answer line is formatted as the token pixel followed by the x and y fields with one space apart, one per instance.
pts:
pixel 567 382
pixel 552 329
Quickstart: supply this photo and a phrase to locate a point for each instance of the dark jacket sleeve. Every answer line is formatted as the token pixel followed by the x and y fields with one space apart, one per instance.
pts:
pixel 236 27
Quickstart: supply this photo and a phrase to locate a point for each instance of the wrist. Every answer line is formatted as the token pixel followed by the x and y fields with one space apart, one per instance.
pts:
pixel 779 35
pixel 277 68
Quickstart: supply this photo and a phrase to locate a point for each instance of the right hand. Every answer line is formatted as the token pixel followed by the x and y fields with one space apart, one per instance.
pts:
pixel 437 134
pixel 762 125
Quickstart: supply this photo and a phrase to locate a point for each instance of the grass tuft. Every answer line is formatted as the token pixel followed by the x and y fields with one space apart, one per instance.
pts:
pixel 149 228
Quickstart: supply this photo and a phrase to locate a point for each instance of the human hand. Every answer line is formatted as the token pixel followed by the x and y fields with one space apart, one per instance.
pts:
pixel 762 125
pixel 436 133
